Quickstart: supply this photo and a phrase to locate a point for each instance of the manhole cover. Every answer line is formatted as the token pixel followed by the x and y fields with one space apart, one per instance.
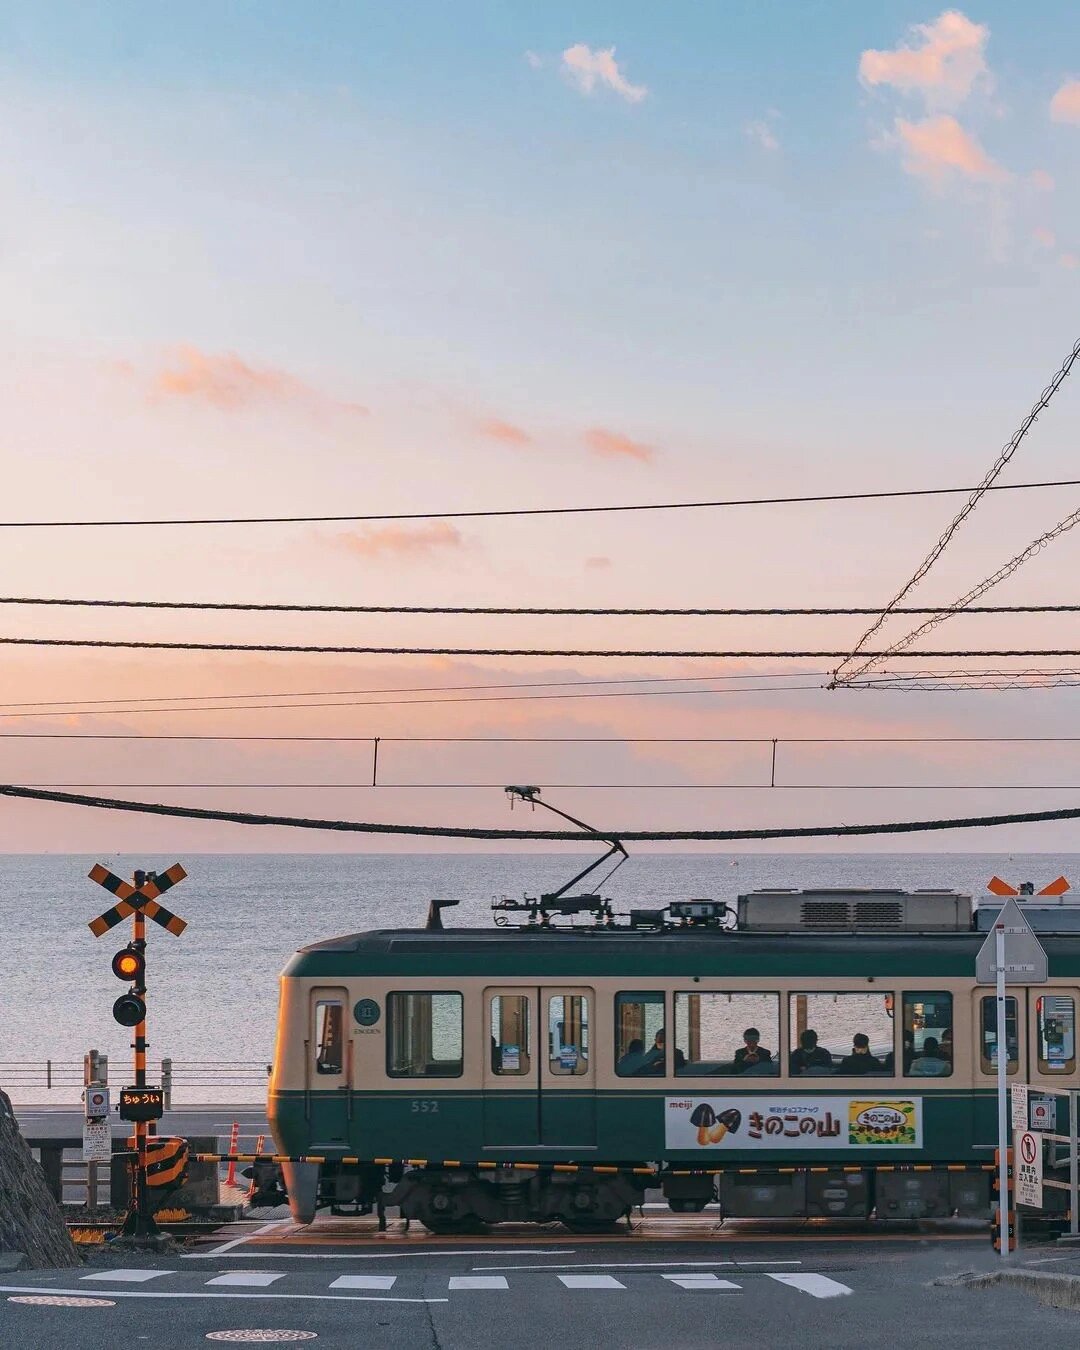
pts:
pixel 62 1301
pixel 261 1334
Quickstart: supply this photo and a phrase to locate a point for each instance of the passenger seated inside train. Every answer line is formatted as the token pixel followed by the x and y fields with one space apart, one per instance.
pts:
pixel 860 1060
pixel 655 1057
pixel 752 1055
pixel 929 1061
pixel 632 1061
pixel 810 1058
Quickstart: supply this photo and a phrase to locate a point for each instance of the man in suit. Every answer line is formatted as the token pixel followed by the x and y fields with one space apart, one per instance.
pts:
pixel 751 1051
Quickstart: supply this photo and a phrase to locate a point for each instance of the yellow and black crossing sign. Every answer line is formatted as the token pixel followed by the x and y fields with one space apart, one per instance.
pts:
pixel 144 898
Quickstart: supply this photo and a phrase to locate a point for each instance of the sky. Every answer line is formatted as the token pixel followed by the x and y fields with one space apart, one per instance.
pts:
pixel 260 258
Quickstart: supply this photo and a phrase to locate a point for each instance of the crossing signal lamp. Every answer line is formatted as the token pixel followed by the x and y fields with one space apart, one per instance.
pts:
pixel 129 965
pixel 129 1010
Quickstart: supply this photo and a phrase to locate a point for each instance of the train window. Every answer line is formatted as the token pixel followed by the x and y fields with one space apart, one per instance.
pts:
pixel 928 1042
pixel 424 1035
pixel 849 1034
pixel 511 1051
pixel 568 1033
pixel 720 1034
pixel 1056 1016
pixel 988 1047
pixel 329 1036
pixel 639 1018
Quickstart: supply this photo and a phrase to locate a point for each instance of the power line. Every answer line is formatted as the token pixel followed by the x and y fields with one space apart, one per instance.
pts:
pixel 234 606
pixel 977 493
pixel 585 787
pixel 529 511
pixel 561 836
pixel 538 740
pixel 328 650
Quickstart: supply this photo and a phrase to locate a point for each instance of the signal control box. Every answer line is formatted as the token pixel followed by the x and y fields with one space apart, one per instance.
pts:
pixel 147 1103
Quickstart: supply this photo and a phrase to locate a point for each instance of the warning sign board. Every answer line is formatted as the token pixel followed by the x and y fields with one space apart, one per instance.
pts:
pixel 1019 1099
pixel 1043 1113
pixel 1028 1158
pixel 96 1141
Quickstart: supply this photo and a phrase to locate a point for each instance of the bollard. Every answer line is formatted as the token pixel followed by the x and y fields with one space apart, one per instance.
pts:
pixel 234 1140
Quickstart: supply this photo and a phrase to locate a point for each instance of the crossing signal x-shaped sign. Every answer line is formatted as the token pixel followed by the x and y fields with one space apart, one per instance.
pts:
pixel 130 898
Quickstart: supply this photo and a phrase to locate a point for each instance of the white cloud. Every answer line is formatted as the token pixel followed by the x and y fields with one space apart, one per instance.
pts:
pixel 762 134
pixel 587 69
pixel 535 61
pixel 942 62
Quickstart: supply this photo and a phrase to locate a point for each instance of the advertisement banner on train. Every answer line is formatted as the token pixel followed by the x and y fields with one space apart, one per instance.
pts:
pixel 793 1123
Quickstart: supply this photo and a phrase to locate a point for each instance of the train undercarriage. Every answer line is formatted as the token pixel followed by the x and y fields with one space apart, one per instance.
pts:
pixel 464 1199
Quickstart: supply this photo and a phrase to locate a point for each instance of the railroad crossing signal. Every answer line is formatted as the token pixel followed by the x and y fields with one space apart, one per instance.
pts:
pixel 131 898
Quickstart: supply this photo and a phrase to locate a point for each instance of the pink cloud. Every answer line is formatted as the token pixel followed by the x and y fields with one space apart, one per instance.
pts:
pixel 587 69
pixel 498 430
pixel 599 562
pixel 226 381
pixel 403 541
pixel 1041 180
pixel 1065 105
pixel 942 62
pixel 1043 237
pixel 1069 261
pixel 937 148
pixel 602 442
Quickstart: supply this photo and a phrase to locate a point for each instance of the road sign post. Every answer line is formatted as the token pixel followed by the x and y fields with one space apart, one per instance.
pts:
pixel 1011 954
pixel 141 1104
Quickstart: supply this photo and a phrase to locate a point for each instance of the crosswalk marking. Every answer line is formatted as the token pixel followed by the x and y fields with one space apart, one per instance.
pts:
pixel 701 1281
pixel 364 1282
pixel 478 1282
pixel 250 1279
pixel 591 1282
pixel 122 1276
pixel 817 1286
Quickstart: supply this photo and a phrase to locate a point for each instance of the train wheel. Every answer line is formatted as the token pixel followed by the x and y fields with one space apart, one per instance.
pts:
pixel 467 1223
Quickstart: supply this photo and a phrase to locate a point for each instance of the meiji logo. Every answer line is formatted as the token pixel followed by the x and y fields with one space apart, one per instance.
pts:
pixel 881 1118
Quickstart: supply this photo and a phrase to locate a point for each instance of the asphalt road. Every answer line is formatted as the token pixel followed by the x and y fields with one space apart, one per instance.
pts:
pixel 478 1294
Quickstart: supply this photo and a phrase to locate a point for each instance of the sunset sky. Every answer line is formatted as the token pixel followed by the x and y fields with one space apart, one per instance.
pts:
pixel 272 259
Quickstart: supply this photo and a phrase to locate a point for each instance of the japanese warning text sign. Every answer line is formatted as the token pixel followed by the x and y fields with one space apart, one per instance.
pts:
pixel 1028 1163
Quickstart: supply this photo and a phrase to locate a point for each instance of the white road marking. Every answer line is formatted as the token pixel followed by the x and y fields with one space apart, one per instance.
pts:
pixel 309 1298
pixel 236 1242
pixel 628 1265
pixel 255 1279
pixel 591 1282
pixel 817 1286
pixel 364 1282
pixel 478 1282
pixel 127 1276
pixel 702 1281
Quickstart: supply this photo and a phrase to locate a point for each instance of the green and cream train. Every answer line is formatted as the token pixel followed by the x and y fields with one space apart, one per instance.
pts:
pixel 797 1053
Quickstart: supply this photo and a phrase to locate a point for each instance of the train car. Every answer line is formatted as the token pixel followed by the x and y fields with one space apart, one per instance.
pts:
pixel 791 1054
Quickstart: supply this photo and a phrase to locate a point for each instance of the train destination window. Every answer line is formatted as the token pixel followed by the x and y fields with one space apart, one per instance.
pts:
pixel 849 1034
pixel 424 1035
pixel 511 1051
pixel 1056 1015
pixel 329 1036
pixel 988 1043
pixel 928 1042
pixel 722 1034
pixel 568 1033
pixel 639 1018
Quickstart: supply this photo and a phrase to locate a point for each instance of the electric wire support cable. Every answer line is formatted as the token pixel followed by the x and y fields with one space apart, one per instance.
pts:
pixel 1006 454
pixel 510 512
pixel 556 836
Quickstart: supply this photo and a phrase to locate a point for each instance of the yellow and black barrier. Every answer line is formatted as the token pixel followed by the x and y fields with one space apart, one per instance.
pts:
pixel 440 1164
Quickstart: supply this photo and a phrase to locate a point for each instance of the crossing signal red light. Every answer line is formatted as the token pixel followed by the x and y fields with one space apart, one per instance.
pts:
pixel 129 964
pixel 129 1010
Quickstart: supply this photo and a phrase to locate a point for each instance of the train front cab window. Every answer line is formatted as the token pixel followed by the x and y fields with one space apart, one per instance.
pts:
pixel 424 1034
pixel 724 1034
pixel 329 1036
pixel 842 1034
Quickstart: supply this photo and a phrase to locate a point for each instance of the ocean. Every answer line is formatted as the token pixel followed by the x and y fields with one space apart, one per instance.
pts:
pixel 213 990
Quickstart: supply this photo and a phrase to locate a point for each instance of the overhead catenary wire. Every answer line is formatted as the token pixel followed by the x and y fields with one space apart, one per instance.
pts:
pixel 609 611
pixel 510 512
pixel 535 740
pixel 572 787
pixel 987 483
pixel 561 836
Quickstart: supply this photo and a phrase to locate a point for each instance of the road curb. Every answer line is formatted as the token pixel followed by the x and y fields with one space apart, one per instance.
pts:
pixel 10 1261
pixel 1059 1291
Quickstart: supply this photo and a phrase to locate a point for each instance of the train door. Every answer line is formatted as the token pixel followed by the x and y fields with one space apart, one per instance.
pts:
pixel 984 1023
pixel 567 1068
pixel 511 1104
pixel 328 1072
